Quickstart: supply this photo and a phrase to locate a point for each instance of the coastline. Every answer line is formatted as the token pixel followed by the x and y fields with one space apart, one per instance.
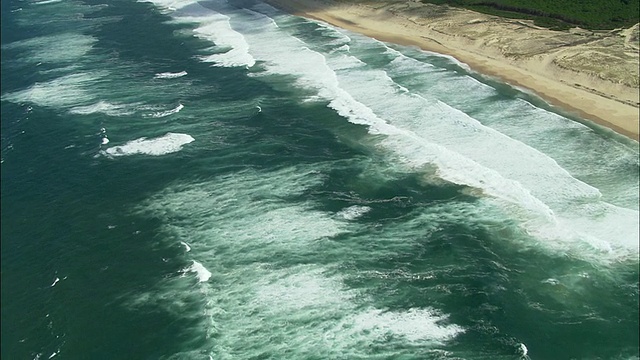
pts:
pixel 549 63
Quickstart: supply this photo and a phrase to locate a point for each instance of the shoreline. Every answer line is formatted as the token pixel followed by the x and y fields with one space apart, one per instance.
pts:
pixel 607 104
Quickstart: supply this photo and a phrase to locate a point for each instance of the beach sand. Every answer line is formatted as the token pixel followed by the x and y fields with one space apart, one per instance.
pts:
pixel 592 74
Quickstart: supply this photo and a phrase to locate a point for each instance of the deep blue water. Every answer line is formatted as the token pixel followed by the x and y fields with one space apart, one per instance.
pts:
pixel 222 180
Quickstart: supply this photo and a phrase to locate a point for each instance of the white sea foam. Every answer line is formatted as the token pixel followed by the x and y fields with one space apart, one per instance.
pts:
pixel 104 141
pixel 257 230
pixel 44 2
pixel 167 144
pixel 308 291
pixel 201 272
pixel 583 212
pixel 466 152
pixel 424 78
pixel 170 75
pixel 175 110
pixel 309 312
pixel 244 212
pixel 243 223
pixel 606 228
pixel 353 212
pixel 66 91
pixel 217 29
pixel 293 58
pixel 54 49
pixel 104 107
pixel 305 289
pixel 232 48
pixel 343 48
pixel 244 185
pixel 425 131
pixel 340 38
pixel 267 9
pixel 186 246
pixel 602 163
pixel 450 58
pixel 423 325
pixel 170 5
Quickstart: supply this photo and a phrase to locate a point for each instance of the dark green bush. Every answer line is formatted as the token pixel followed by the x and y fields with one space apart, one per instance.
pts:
pixel 559 14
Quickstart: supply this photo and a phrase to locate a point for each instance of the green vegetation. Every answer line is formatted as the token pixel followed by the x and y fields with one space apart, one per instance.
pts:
pixel 558 14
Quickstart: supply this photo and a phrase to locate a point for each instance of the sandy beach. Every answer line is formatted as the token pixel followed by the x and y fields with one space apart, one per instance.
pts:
pixel 592 74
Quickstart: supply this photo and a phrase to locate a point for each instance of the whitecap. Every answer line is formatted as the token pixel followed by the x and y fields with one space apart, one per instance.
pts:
pixel 186 246
pixel 171 5
pixel 70 90
pixel 169 143
pixel 232 48
pixel 44 2
pixel 217 29
pixel 201 272
pixel 415 325
pixel 306 293
pixel 353 212
pixel 104 107
pixel 54 49
pixel 175 110
pixel 170 75
pixel 343 48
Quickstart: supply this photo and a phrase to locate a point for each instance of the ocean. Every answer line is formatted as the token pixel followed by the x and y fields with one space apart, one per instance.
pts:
pixel 221 180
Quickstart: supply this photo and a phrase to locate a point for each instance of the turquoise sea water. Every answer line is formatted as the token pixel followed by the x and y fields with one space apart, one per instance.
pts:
pixel 220 180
